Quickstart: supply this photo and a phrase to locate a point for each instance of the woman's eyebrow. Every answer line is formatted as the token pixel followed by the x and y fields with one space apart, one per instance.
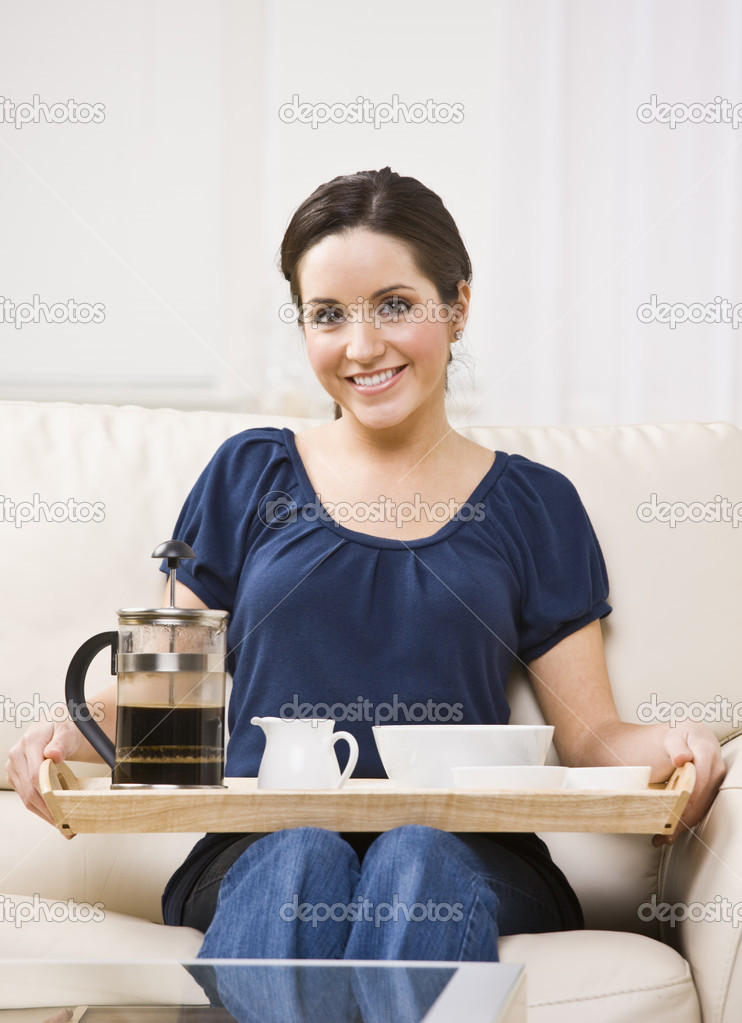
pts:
pixel 381 291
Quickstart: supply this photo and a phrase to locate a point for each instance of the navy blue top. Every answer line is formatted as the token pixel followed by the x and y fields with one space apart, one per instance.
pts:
pixel 330 622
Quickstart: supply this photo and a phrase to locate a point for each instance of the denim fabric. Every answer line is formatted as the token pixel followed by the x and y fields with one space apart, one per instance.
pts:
pixel 200 904
pixel 410 893
pixel 276 993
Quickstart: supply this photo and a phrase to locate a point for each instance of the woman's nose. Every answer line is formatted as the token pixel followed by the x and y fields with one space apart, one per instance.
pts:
pixel 365 342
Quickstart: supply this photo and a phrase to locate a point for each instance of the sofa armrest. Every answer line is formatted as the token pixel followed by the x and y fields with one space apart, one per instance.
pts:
pixel 699 901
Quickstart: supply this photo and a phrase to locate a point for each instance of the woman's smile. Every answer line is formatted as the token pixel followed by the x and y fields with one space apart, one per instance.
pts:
pixel 376 382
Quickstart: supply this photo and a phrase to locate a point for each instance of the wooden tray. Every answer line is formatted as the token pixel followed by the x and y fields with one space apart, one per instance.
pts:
pixel 80 805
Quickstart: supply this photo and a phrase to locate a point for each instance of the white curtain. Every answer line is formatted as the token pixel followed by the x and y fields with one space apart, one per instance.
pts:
pixel 576 205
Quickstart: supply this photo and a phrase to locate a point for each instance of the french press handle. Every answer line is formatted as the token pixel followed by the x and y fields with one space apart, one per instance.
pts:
pixel 74 691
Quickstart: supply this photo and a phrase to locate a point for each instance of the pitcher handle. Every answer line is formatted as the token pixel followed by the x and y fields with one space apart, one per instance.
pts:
pixel 353 754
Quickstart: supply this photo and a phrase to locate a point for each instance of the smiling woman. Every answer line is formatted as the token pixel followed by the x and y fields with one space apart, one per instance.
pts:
pixel 345 586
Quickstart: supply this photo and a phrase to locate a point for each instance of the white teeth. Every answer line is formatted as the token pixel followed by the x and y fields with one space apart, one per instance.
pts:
pixel 377 378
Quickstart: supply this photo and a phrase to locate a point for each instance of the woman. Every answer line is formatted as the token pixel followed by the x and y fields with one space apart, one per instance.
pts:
pixel 347 585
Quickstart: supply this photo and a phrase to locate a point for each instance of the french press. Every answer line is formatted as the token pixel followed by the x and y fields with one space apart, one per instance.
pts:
pixel 170 668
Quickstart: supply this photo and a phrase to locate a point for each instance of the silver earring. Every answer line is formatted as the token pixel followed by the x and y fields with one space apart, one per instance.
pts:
pixel 457 335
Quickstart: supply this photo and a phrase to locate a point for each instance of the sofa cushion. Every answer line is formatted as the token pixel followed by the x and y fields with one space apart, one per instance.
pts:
pixel 25 984
pixel 586 976
pixel 126 873
pixel 574 976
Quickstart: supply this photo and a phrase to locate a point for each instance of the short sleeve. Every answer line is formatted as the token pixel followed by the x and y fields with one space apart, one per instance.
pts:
pixel 219 512
pixel 562 572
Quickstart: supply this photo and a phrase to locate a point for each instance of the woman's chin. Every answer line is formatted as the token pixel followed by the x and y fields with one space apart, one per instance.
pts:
pixel 376 418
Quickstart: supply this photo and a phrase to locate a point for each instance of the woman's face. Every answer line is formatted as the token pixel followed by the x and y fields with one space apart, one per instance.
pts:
pixel 377 334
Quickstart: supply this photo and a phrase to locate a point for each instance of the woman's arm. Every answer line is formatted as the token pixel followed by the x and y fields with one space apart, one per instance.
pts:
pixel 573 689
pixel 183 597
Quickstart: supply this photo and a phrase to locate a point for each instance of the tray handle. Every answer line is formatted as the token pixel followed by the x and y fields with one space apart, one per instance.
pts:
pixel 681 784
pixel 682 780
pixel 54 778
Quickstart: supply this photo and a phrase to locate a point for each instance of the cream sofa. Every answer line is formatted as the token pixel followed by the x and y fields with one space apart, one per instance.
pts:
pixel 674 636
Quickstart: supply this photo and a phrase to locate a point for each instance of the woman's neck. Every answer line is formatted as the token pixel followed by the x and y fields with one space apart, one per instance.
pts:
pixel 396 447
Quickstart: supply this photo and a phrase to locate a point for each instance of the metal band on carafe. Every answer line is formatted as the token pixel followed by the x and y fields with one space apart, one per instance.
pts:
pixel 203 664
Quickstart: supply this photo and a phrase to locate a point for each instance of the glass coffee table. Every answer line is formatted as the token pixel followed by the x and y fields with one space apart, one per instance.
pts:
pixel 261 991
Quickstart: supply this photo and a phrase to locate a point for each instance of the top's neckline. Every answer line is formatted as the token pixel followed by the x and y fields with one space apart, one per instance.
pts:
pixel 309 494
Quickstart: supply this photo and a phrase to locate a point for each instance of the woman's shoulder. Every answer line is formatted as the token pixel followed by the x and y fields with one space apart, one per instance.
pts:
pixel 259 445
pixel 525 471
pixel 246 460
pixel 263 438
pixel 532 489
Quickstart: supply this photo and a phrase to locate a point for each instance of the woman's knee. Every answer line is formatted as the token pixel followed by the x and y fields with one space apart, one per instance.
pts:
pixel 413 841
pixel 293 856
pixel 410 856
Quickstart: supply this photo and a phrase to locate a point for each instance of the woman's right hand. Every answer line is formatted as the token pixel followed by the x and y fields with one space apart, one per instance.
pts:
pixel 46 740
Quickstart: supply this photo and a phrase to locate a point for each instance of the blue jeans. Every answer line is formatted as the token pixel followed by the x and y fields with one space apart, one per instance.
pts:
pixel 418 893
pixel 414 893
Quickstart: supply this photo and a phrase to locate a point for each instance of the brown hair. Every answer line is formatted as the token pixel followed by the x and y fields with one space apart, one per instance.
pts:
pixel 385 202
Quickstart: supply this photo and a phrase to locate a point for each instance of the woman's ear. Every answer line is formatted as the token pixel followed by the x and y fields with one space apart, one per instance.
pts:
pixel 460 310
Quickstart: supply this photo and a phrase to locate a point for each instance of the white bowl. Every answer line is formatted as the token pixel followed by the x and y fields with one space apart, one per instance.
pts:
pixel 529 776
pixel 423 756
pixel 624 779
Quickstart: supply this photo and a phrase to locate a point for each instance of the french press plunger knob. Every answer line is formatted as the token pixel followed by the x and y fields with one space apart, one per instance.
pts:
pixel 173 550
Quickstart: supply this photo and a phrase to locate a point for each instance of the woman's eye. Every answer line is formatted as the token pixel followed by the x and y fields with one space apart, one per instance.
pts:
pixel 328 314
pixel 392 308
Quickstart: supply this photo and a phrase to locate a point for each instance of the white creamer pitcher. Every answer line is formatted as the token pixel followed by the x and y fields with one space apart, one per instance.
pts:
pixel 299 754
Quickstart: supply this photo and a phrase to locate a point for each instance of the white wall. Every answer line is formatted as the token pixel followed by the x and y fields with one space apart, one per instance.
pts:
pixel 171 211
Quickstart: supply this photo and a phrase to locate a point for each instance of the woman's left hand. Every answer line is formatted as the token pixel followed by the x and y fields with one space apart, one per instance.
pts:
pixel 572 686
pixel 696 742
